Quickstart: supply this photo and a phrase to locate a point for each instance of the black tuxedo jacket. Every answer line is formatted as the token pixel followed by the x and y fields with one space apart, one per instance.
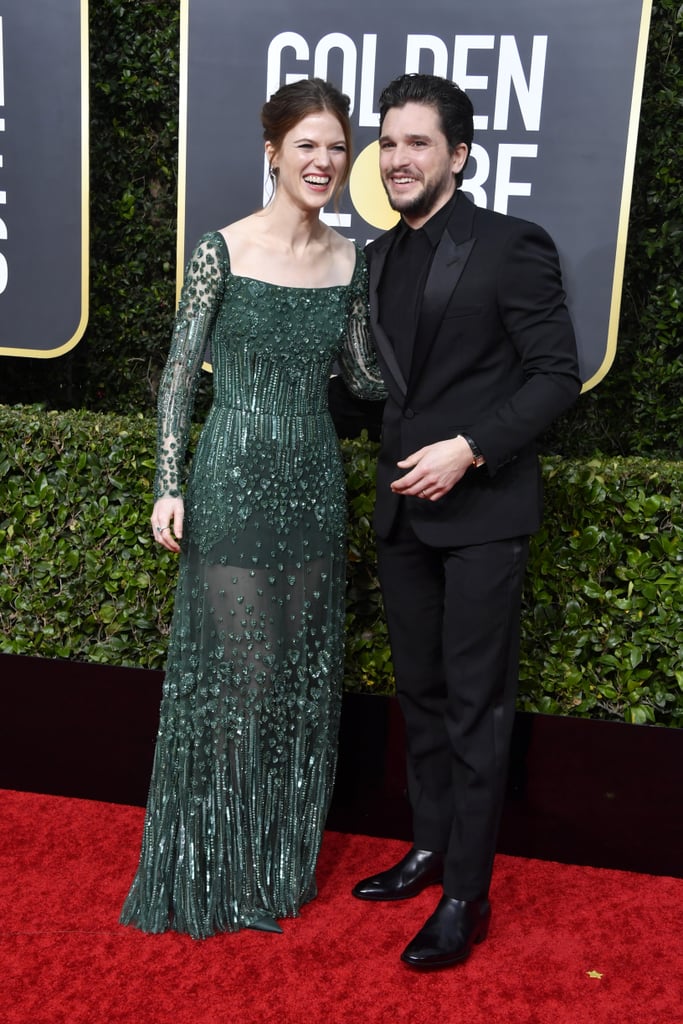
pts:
pixel 498 362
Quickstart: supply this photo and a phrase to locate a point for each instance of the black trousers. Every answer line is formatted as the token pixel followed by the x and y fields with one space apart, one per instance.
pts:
pixel 454 623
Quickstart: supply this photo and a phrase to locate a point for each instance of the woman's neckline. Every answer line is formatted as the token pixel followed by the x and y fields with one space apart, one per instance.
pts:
pixel 285 287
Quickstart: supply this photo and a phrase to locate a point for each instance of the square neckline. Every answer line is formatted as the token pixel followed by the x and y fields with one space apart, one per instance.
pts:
pixel 286 287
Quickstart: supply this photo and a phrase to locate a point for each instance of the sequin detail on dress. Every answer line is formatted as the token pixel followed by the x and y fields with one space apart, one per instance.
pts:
pixel 246 750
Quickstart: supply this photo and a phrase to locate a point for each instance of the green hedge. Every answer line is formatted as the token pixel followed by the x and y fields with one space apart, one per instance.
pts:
pixel 81 578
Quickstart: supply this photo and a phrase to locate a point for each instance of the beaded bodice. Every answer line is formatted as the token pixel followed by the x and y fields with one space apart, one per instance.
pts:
pixel 271 348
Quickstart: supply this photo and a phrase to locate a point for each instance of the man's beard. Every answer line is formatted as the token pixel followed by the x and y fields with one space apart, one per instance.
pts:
pixel 423 204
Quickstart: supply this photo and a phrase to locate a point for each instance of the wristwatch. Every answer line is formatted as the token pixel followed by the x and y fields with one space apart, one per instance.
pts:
pixel 477 458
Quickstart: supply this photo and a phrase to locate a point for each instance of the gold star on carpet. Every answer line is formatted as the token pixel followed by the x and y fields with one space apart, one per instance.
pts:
pixel 594 974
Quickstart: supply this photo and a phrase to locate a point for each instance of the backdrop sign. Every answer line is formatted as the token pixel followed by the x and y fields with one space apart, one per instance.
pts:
pixel 43 176
pixel 556 90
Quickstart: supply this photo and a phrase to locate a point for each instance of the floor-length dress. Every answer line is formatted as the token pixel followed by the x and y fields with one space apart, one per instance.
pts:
pixel 246 749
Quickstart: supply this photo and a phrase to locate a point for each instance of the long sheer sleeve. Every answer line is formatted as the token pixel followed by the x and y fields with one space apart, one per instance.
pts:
pixel 358 360
pixel 199 301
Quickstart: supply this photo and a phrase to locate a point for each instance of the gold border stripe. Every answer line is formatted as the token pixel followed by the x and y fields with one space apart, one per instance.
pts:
pixel 85 208
pixel 627 187
pixel 182 140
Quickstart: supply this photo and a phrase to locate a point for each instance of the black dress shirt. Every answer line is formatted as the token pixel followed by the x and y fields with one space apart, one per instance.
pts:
pixel 403 282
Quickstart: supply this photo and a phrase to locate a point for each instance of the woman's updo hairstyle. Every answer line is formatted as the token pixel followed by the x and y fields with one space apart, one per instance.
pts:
pixel 292 103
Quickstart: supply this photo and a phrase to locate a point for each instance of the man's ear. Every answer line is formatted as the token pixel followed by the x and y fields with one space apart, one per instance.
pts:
pixel 459 158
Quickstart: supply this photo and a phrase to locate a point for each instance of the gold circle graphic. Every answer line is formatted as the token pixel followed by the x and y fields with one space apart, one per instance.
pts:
pixel 367 192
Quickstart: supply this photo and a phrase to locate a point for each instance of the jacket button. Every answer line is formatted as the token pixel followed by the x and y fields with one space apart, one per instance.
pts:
pixel 408 414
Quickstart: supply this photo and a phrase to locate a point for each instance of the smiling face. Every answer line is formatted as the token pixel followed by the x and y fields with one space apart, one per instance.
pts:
pixel 311 163
pixel 416 165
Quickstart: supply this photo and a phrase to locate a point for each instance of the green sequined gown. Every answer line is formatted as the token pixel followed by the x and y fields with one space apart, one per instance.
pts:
pixel 246 749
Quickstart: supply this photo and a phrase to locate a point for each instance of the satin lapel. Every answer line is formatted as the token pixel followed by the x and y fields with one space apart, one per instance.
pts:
pixel 384 345
pixel 448 264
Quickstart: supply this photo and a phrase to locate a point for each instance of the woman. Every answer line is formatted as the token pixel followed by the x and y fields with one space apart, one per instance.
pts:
pixel 246 750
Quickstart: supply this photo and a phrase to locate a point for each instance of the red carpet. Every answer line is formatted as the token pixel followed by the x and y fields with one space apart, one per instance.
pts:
pixel 567 945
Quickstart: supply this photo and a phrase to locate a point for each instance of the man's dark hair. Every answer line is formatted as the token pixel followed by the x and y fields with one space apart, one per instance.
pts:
pixel 452 104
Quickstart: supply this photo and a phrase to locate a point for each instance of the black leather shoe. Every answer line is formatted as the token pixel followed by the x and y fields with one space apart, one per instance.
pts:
pixel 417 870
pixel 448 935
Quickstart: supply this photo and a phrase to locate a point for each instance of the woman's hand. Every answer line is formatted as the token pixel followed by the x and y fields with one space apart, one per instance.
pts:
pixel 167 522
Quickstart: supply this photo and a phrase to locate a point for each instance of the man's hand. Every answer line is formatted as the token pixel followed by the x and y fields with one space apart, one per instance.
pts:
pixel 434 470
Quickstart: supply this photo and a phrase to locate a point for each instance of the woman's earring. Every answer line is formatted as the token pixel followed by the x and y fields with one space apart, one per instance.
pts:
pixel 272 179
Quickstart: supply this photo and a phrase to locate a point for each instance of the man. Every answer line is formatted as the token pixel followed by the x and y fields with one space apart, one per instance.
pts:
pixel 479 356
